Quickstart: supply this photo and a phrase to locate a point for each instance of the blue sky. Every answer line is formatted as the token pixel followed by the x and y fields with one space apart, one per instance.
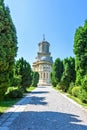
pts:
pixel 57 19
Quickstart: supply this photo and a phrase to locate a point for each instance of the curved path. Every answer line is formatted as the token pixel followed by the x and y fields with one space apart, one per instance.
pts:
pixel 44 109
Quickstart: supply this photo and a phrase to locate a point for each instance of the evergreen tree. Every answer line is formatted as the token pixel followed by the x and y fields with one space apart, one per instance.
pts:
pixel 57 71
pixel 80 50
pixel 8 48
pixel 72 69
pixel 35 79
pixel 69 73
pixel 23 69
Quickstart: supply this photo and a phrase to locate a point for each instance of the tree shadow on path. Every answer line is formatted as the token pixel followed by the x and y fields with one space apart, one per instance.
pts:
pixel 47 120
pixel 33 98
pixel 39 92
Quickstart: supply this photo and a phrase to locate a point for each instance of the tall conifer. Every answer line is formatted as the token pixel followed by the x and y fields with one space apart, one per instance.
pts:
pixel 8 48
pixel 80 50
pixel 23 69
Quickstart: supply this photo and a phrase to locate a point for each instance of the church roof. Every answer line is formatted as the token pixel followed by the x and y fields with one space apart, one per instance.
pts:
pixel 47 59
pixel 42 42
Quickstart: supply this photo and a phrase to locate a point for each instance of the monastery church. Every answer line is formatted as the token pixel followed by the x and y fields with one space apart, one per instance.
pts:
pixel 43 63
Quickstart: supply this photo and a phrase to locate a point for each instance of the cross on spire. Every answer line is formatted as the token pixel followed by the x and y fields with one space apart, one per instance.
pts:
pixel 43 37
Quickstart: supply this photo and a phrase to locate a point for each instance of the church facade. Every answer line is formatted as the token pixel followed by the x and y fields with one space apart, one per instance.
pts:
pixel 43 63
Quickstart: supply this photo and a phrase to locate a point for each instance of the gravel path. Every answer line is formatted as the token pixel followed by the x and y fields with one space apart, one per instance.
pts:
pixel 45 109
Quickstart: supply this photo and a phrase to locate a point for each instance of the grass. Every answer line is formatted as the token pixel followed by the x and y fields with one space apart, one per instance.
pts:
pixel 30 89
pixel 77 100
pixel 59 90
pixel 6 103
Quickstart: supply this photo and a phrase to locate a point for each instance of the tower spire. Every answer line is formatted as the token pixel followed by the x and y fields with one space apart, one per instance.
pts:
pixel 43 37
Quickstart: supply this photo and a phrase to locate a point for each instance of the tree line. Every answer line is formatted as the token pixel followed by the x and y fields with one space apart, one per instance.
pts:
pixel 70 74
pixel 12 73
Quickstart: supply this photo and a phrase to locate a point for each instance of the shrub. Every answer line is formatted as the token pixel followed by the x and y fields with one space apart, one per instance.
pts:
pixel 65 83
pixel 17 93
pixel 71 87
pixel 58 86
pixel 84 82
pixel 54 83
pixel 75 91
pixel 62 86
pixel 83 95
pixel 16 81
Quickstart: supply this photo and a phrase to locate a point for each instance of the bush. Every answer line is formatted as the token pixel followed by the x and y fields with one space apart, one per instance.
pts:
pixel 71 87
pixel 83 95
pixel 75 91
pixel 58 86
pixel 17 93
pixel 16 81
pixel 62 86
pixel 54 83
pixel 84 82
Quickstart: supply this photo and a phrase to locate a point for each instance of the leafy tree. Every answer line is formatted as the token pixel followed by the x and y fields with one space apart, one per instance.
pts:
pixel 8 48
pixel 80 50
pixel 57 71
pixel 35 79
pixel 23 69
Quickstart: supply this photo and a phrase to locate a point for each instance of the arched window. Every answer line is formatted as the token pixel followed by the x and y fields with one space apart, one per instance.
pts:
pixel 47 76
pixel 44 75
pixel 47 48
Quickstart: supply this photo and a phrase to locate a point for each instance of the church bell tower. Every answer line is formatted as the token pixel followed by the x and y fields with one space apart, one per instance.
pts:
pixel 43 63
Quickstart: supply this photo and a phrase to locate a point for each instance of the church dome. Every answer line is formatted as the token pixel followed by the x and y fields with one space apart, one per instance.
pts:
pixel 44 42
pixel 44 58
pixel 48 59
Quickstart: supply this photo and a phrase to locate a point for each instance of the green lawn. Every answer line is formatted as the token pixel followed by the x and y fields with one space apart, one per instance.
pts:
pixel 30 89
pixel 6 103
pixel 77 100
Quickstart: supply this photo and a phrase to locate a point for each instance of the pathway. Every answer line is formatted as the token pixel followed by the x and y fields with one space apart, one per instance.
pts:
pixel 44 109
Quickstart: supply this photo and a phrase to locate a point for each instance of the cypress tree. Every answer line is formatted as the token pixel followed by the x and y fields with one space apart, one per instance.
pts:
pixel 23 69
pixel 69 72
pixel 35 78
pixel 8 48
pixel 80 50
pixel 57 70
